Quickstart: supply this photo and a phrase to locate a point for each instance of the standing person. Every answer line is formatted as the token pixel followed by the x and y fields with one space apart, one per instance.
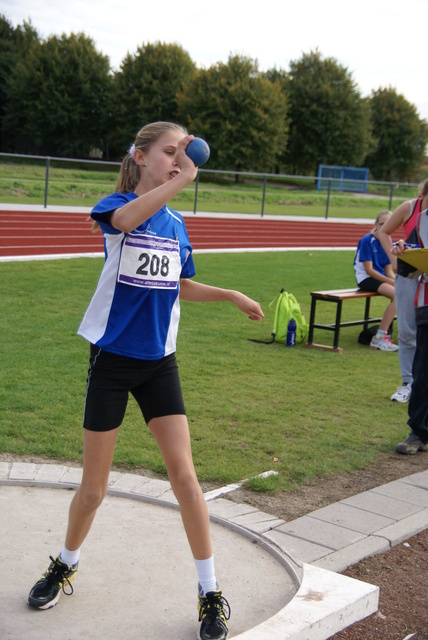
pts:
pixel 373 272
pixel 405 289
pixel 131 324
pixel 418 403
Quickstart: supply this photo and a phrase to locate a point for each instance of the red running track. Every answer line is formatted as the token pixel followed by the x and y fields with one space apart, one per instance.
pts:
pixel 28 233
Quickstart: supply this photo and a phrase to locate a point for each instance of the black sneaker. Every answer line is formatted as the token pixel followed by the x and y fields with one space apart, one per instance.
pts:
pixel 214 610
pixel 46 592
pixel 412 445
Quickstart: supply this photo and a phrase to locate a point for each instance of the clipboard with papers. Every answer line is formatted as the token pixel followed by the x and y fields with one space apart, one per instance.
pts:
pixel 417 258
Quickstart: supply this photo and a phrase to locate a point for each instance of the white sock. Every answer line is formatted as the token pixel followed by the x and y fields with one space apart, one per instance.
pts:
pixel 381 334
pixel 70 557
pixel 206 574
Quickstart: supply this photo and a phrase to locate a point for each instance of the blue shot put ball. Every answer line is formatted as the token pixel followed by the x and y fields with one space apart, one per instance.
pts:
pixel 198 151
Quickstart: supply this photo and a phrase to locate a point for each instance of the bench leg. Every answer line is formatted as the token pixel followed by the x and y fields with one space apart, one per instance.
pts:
pixel 312 321
pixel 337 325
pixel 367 313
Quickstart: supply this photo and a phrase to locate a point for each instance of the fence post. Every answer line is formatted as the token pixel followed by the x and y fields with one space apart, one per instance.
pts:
pixel 264 195
pixel 328 199
pixel 391 191
pixel 195 204
pixel 47 180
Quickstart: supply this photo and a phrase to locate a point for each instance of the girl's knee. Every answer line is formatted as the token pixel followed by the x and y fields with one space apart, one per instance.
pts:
pixel 90 498
pixel 387 291
pixel 186 487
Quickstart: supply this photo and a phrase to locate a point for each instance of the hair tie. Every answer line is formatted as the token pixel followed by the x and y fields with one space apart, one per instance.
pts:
pixel 131 150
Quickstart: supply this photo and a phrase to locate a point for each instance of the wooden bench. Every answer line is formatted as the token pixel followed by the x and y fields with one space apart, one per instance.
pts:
pixel 338 296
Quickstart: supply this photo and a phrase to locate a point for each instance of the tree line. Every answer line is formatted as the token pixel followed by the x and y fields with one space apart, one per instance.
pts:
pixel 60 97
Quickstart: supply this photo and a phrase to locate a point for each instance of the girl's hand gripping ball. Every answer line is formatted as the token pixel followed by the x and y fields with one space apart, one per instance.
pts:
pixel 198 151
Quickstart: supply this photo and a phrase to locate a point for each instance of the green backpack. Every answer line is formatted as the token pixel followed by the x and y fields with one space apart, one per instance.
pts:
pixel 285 306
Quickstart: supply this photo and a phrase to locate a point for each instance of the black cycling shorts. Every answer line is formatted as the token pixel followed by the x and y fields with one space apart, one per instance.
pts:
pixel 370 284
pixel 155 384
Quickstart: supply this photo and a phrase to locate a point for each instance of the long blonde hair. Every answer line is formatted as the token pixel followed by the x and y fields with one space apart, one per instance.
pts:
pixel 129 174
pixel 379 217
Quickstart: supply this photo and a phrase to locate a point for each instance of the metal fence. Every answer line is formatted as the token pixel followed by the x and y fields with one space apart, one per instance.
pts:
pixel 329 184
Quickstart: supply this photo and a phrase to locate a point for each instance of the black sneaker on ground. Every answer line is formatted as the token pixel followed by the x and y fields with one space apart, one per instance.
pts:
pixel 214 610
pixel 412 445
pixel 46 592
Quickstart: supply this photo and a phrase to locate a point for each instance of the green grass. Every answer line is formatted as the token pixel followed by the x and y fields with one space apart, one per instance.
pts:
pixel 25 183
pixel 305 413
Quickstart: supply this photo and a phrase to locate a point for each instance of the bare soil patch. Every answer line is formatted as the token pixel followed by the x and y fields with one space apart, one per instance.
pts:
pixel 401 573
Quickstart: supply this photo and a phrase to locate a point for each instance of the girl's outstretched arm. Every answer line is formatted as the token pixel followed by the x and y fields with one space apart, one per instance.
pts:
pixel 198 292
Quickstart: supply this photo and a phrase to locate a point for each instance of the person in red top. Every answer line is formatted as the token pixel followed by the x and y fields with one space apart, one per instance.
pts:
pixel 418 404
pixel 405 290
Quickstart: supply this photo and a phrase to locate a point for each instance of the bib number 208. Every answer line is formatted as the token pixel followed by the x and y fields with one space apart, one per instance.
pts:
pixel 150 262
pixel 154 265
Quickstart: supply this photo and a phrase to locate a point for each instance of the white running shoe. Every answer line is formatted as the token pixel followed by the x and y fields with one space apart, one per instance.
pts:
pixel 384 343
pixel 402 394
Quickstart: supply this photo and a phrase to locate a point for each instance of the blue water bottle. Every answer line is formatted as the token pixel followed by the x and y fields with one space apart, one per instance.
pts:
pixel 291 333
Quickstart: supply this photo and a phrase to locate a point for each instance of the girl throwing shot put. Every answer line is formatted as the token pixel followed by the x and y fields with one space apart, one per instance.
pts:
pixel 131 324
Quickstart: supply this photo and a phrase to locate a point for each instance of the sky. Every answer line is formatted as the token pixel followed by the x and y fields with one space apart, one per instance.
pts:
pixel 380 42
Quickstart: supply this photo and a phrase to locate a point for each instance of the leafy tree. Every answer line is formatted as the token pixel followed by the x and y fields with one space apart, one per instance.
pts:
pixel 58 97
pixel 145 89
pixel 401 136
pixel 330 121
pixel 241 113
pixel 280 77
pixel 14 43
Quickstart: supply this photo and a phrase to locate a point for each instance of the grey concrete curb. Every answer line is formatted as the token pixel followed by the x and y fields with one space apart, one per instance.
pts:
pixel 311 548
